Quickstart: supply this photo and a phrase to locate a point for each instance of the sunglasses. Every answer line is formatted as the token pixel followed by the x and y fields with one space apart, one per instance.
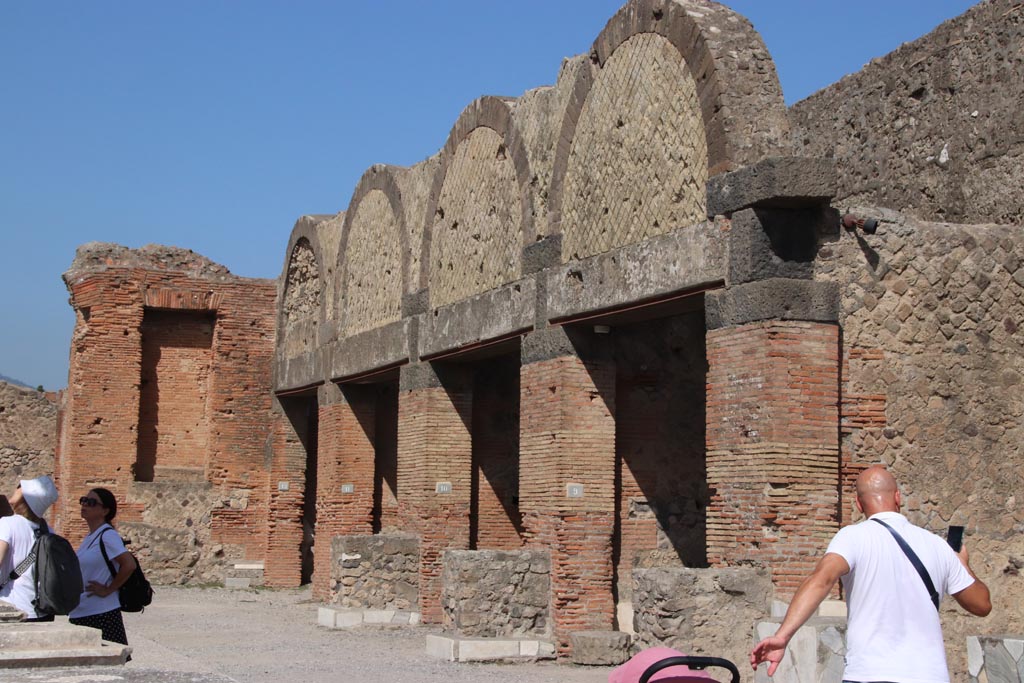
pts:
pixel 88 502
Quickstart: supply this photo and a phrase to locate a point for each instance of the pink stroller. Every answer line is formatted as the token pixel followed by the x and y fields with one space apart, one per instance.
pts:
pixel 648 666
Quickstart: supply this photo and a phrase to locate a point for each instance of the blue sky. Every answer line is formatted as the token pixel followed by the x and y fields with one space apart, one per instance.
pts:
pixel 214 125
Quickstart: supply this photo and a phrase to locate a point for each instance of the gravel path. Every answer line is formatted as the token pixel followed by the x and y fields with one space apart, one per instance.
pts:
pixel 264 636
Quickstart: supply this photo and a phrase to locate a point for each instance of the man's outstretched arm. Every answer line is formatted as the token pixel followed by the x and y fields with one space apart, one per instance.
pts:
pixel 975 598
pixel 812 591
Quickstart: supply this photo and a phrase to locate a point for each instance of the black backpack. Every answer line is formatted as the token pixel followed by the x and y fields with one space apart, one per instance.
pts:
pixel 136 594
pixel 57 573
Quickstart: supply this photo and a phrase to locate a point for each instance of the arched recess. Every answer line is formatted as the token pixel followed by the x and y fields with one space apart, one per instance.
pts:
pixel 301 290
pixel 373 257
pixel 678 91
pixel 479 212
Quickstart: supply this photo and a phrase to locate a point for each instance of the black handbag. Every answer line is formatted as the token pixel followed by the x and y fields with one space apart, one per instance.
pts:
pixel 136 593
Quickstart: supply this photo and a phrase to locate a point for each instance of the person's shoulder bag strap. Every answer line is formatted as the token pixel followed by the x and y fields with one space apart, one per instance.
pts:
pixel 916 561
pixel 103 551
pixel 30 559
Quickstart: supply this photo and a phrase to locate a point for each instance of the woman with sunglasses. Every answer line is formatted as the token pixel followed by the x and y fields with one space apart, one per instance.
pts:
pixel 100 606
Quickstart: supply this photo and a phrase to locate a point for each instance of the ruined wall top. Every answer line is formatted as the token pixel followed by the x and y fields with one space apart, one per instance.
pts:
pixel 95 257
pixel 932 129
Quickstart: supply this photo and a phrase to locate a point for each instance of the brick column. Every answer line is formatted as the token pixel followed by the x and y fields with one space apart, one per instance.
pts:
pixel 772 428
pixel 567 436
pixel 435 451
pixel 283 566
pixel 345 457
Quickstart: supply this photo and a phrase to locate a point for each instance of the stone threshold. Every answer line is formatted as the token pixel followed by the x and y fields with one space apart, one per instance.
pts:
pixel 460 649
pixel 335 617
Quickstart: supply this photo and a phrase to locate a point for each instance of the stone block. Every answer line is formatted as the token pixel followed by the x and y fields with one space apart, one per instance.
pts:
pixel 775 299
pixel 995 658
pixel 776 182
pixel 237 582
pixel 487 649
pixel 600 648
pixel 441 647
pixel 325 616
pixel 378 616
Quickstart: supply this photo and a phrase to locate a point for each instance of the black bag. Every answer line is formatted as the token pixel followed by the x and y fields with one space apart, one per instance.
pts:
pixel 58 575
pixel 136 593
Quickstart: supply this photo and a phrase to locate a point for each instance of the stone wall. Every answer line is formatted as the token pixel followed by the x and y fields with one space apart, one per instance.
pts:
pixel 708 612
pixel 933 128
pixel 932 367
pixel 28 426
pixel 375 572
pixel 495 593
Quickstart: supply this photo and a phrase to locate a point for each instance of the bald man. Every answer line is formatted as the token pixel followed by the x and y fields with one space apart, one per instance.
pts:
pixel 893 631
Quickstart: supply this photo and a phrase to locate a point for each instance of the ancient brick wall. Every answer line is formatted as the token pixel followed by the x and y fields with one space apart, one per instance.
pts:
pixel 772 451
pixel 659 441
pixel 497 521
pixel 933 128
pixel 28 426
pixel 169 383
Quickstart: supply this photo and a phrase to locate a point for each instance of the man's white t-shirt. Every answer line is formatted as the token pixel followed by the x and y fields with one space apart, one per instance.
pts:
pixel 893 630
pixel 20 535
pixel 94 568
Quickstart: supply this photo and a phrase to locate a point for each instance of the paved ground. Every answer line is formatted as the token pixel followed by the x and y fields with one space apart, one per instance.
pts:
pixel 216 636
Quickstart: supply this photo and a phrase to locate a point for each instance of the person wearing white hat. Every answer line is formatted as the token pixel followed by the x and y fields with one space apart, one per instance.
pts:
pixel 30 501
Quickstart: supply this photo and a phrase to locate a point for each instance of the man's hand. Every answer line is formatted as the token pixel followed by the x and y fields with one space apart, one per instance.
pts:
pixel 770 650
pixel 812 591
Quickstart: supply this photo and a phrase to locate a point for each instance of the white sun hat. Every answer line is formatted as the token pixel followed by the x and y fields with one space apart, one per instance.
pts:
pixel 39 493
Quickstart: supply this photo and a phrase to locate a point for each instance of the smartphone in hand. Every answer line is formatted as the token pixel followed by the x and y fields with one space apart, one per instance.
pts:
pixel 955 538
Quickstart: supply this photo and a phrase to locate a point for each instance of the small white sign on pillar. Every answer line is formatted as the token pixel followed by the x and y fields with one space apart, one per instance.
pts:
pixel 282 486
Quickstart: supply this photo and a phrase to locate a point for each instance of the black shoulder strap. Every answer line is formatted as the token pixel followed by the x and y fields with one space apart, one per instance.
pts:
pixel 103 551
pixel 916 561
pixel 30 559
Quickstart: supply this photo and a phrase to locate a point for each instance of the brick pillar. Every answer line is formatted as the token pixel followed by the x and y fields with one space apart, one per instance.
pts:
pixel 345 457
pixel 772 434
pixel 435 451
pixel 567 436
pixel 283 565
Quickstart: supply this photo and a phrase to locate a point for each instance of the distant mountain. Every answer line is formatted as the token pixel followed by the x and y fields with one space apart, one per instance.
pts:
pixel 11 380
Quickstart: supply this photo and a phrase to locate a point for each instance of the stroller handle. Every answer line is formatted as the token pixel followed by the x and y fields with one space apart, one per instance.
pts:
pixel 693 663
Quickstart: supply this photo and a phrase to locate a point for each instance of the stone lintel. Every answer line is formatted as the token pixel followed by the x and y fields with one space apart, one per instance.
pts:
pixel 298 371
pixel 544 253
pixel 775 299
pixel 374 349
pixel 498 313
pixel 773 182
pixel 687 258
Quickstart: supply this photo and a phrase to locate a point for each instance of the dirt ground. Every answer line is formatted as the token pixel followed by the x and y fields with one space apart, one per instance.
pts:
pixel 271 636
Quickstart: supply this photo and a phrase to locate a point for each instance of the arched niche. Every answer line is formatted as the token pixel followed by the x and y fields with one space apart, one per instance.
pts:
pixel 479 212
pixel 301 300
pixel 678 91
pixel 373 257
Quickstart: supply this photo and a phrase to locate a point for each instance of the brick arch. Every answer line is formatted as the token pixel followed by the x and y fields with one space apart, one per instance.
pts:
pixel 485 121
pixel 376 198
pixel 304 236
pixel 735 93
